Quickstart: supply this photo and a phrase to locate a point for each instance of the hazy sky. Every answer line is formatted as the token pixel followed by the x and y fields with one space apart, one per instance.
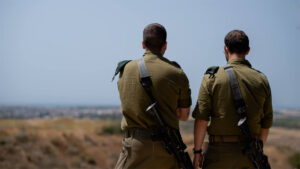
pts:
pixel 65 52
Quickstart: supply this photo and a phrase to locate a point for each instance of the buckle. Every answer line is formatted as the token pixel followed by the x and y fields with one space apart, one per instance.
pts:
pixel 241 110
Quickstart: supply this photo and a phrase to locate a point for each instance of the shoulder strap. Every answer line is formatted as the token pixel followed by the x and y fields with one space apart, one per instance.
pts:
pixel 145 79
pixel 212 71
pixel 120 67
pixel 143 69
pixel 237 95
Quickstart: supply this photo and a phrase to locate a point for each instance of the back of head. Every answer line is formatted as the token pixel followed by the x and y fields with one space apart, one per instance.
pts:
pixel 154 36
pixel 237 42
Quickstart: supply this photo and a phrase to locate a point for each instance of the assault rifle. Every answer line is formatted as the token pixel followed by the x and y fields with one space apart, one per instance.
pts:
pixel 254 147
pixel 170 137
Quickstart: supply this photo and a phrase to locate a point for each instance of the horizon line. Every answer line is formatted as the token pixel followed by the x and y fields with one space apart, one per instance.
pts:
pixel 103 105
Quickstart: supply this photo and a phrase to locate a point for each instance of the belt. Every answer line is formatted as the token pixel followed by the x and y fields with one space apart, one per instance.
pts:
pixel 138 133
pixel 226 139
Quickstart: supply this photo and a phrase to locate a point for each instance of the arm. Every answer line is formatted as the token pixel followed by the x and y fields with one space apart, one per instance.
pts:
pixel 267 120
pixel 264 134
pixel 183 113
pixel 199 135
pixel 184 100
pixel 201 114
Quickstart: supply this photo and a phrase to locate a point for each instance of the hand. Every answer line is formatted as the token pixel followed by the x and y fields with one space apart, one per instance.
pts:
pixel 197 162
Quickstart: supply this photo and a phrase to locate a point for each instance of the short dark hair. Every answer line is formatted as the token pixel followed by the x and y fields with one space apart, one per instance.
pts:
pixel 237 42
pixel 154 36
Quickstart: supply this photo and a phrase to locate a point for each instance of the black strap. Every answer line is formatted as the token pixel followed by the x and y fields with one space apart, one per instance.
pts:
pixel 239 102
pixel 145 78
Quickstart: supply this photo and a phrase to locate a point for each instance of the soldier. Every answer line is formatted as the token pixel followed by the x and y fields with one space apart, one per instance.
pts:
pixel 171 90
pixel 216 105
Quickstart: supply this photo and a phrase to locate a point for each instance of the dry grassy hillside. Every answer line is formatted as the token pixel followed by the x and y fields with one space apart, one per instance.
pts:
pixel 72 144
pixel 56 144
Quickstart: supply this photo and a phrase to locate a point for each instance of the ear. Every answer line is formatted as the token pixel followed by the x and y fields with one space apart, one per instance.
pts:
pixel 165 46
pixel 163 49
pixel 248 51
pixel 225 49
pixel 143 44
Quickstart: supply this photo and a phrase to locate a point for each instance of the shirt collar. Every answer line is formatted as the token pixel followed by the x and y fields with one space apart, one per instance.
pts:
pixel 239 61
pixel 151 54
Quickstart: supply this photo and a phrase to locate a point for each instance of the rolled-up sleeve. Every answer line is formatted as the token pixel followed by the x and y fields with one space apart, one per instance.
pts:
pixel 185 99
pixel 203 106
pixel 267 119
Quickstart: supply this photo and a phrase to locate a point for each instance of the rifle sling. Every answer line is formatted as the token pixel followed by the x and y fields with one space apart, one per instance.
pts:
pixel 241 110
pixel 239 103
pixel 145 78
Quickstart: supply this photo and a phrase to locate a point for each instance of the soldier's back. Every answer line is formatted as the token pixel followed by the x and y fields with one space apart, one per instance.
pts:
pixel 170 89
pixel 256 93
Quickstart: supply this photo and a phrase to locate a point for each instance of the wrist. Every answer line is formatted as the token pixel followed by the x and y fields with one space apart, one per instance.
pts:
pixel 197 151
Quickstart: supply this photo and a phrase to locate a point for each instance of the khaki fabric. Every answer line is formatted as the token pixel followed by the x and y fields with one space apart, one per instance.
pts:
pixel 215 101
pixel 170 88
pixel 144 154
pixel 226 156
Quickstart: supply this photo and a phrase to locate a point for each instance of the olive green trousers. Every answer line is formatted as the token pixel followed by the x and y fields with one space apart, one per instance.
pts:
pixel 144 154
pixel 226 156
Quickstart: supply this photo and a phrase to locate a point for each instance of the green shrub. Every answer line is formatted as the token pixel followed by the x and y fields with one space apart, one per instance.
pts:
pixel 288 123
pixel 22 137
pixel 73 150
pixel 7 141
pixel 111 129
pixel 89 159
pixel 295 160
pixel 46 149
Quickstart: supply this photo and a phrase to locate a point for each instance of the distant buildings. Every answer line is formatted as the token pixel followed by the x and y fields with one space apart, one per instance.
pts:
pixel 29 112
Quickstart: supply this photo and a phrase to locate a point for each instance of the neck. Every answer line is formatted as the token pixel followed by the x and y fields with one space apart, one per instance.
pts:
pixel 235 56
pixel 157 53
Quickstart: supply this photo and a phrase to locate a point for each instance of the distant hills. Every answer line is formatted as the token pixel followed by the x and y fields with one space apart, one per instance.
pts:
pixel 31 112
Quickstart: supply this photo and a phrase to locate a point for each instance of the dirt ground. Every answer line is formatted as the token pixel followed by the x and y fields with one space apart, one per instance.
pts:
pixel 74 144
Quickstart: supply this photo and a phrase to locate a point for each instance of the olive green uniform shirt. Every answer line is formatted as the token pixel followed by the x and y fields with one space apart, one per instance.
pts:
pixel 170 87
pixel 216 104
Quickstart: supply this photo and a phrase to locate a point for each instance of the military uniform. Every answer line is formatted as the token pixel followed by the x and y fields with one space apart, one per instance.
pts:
pixel 171 90
pixel 216 104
